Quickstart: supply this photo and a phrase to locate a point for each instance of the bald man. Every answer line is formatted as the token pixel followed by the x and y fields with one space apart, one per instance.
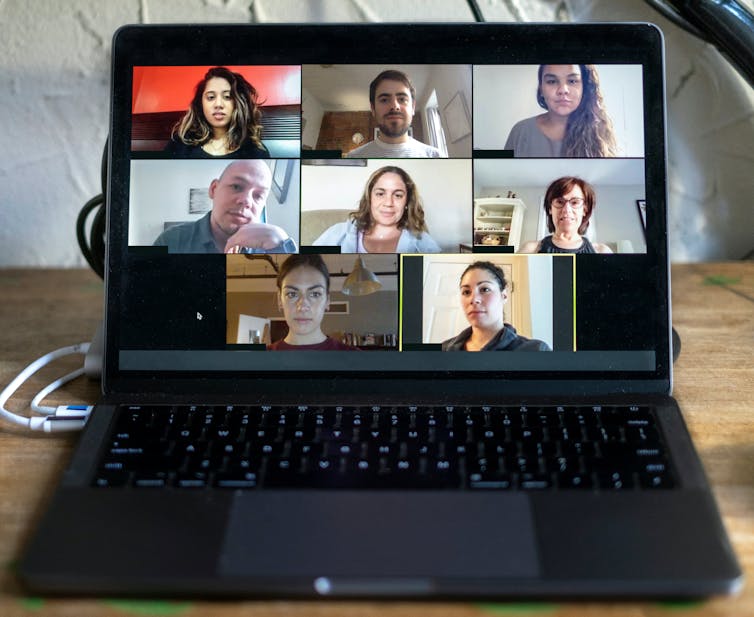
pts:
pixel 239 197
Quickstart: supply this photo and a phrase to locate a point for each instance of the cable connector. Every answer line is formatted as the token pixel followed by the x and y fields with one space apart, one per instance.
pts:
pixel 66 418
pixel 73 411
pixel 55 419
pixel 57 424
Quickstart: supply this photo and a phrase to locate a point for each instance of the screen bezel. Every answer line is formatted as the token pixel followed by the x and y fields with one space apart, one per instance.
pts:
pixel 376 44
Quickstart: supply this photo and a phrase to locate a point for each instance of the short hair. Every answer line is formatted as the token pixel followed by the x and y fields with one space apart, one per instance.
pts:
pixel 589 130
pixel 303 260
pixel 413 215
pixel 245 121
pixel 493 269
pixel 392 75
pixel 560 187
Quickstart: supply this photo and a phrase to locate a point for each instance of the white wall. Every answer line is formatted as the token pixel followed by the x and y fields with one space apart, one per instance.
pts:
pixel 54 92
pixel 443 184
pixel 313 113
pixel 503 95
pixel 541 296
pixel 160 193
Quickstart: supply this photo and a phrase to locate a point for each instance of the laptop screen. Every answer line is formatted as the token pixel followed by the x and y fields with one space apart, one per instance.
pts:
pixel 372 210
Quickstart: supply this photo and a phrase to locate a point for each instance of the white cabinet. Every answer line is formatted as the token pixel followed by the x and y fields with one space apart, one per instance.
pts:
pixel 498 221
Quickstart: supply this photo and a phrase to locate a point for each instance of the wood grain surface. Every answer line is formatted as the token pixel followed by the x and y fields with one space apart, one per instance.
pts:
pixel 713 311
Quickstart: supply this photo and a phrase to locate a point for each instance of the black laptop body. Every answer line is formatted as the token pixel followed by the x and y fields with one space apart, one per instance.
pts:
pixel 549 493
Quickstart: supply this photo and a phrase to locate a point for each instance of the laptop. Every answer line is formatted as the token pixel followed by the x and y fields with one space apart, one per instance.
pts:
pixel 458 235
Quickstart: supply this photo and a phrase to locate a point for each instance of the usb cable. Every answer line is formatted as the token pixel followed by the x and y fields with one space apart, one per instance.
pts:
pixel 52 419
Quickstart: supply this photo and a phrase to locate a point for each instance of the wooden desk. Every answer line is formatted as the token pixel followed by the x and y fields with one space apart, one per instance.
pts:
pixel 713 307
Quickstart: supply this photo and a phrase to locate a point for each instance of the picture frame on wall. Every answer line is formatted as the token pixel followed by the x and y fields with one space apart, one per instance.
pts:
pixel 641 206
pixel 282 170
pixel 457 117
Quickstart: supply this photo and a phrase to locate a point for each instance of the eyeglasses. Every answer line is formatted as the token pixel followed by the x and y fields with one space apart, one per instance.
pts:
pixel 576 203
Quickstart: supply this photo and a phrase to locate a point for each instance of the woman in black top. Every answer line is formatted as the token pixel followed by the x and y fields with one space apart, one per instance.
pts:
pixel 223 120
pixel 484 292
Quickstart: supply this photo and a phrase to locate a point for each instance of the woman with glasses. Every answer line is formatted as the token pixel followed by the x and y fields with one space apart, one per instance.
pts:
pixel 569 203
pixel 575 123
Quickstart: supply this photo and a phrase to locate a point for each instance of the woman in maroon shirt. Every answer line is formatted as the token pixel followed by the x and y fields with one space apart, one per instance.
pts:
pixel 304 295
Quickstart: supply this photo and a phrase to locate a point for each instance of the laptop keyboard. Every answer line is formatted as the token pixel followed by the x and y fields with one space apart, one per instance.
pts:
pixel 473 448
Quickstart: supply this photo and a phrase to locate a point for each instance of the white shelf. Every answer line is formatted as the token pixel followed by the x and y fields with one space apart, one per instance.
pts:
pixel 498 216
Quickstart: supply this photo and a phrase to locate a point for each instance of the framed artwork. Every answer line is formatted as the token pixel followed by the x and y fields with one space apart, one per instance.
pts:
pixel 457 117
pixel 338 307
pixel 199 202
pixel 641 206
pixel 282 170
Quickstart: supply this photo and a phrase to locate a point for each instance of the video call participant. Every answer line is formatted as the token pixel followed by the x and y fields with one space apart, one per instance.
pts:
pixel 575 123
pixel 569 203
pixel 392 99
pixel 223 120
pixel 239 197
pixel 390 218
pixel 304 295
pixel 483 295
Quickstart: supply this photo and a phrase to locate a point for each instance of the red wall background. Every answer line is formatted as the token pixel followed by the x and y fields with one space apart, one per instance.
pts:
pixel 170 88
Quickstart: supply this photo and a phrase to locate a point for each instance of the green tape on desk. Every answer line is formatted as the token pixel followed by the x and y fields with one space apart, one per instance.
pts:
pixel 720 280
pixel 32 604
pixel 517 607
pixel 149 608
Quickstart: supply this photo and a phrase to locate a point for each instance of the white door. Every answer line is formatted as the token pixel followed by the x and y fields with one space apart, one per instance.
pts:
pixel 250 327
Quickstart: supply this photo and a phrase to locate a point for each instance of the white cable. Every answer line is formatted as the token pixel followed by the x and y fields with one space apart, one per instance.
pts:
pixel 36 407
pixel 62 418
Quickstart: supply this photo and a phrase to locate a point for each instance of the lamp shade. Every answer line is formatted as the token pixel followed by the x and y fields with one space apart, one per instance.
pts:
pixel 361 281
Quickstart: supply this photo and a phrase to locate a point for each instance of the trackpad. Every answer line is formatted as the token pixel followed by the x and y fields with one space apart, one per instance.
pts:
pixel 359 534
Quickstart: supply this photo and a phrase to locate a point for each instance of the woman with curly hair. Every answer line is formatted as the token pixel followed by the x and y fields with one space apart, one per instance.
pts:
pixel 390 218
pixel 223 120
pixel 575 123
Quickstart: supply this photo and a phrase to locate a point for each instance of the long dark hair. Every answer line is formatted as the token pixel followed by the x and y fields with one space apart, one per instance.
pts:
pixel 245 122
pixel 589 131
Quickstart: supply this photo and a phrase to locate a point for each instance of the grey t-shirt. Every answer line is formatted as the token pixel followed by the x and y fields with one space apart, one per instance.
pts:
pixel 527 141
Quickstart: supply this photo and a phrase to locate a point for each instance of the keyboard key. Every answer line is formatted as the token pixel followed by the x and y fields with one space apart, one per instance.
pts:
pixel 534 481
pixel 570 480
pixel 156 479
pixel 236 480
pixel 490 481
pixel 192 480
pixel 616 480
pixel 656 480
pixel 109 478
